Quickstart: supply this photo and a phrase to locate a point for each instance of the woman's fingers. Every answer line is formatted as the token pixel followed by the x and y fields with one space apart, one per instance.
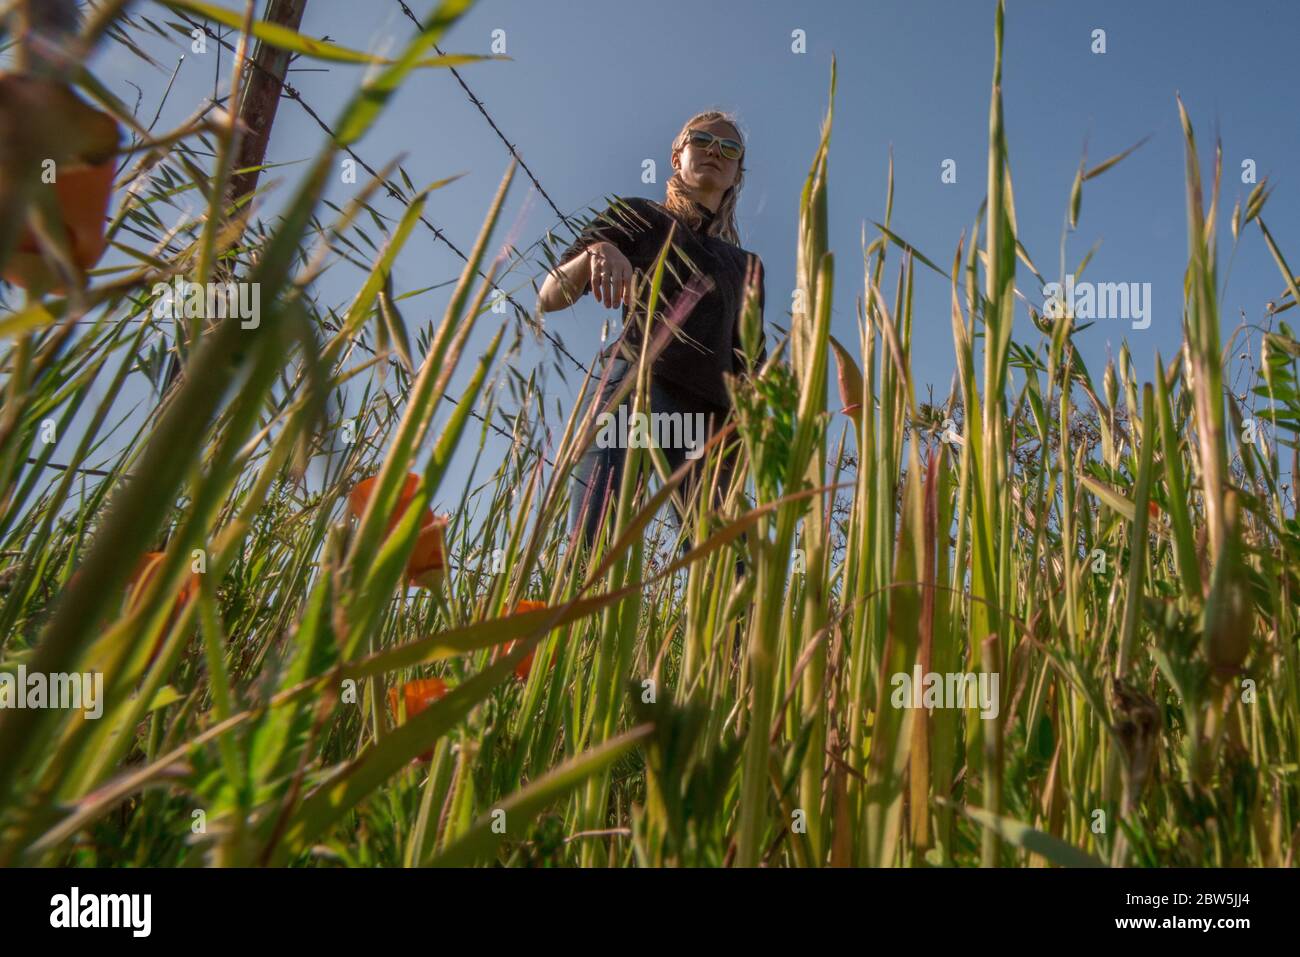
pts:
pixel 611 277
pixel 597 277
pixel 607 287
pixel 602 284
pixel 618 286
pixel 622 273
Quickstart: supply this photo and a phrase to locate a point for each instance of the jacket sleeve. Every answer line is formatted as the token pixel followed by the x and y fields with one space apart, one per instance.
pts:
pixel 620 223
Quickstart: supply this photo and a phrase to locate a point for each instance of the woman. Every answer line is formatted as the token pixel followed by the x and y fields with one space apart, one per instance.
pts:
pixel 699 210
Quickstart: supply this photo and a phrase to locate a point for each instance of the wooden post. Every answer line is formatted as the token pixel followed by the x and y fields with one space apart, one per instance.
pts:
pixel 262 98
pixel 257 114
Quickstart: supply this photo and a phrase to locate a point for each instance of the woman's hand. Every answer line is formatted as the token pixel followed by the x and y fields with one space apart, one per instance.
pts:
pixel 611 274
pixel 601 264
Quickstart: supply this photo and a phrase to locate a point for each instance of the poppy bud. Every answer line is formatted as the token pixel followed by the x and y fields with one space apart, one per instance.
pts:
pixel 850 381
pixel 146 570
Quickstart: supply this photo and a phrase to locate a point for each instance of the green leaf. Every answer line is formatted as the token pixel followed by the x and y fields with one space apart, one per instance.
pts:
pixel 521 807
pixel 1037 842
pixel 1109 497
pixel 282 38
pixel 25 320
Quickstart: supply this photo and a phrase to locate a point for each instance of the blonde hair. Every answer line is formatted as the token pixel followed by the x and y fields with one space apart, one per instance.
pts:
pixel 678 199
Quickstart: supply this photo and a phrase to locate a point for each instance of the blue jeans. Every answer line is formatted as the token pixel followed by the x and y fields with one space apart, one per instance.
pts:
pixel 599 474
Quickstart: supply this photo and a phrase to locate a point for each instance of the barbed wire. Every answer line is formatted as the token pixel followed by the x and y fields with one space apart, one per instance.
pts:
pixel 60 467
pixel 492 123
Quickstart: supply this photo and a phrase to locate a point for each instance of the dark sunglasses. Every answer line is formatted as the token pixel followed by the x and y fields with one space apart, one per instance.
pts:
pixel 704 140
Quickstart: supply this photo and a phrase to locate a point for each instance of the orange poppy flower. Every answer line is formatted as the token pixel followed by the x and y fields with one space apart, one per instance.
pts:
pixel 526 663
pixel 417 695
pixel 428 561
pixel 81 144
pixel 145 572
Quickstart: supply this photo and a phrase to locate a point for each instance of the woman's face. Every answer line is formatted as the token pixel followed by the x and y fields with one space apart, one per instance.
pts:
pixel 707 168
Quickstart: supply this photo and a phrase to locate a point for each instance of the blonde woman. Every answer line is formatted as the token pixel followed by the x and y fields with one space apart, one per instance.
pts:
pixel 699 209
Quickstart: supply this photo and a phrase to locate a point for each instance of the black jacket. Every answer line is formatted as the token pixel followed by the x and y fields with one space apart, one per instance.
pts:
pixel 707 342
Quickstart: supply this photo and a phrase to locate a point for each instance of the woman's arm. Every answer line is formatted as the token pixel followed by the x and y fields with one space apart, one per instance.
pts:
pixel 565 284
pixel 602 264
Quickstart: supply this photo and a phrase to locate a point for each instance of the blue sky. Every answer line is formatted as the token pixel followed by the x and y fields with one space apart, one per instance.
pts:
pixel 595 87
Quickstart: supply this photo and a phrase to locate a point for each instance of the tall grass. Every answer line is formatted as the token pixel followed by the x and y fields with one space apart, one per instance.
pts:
pixel 1124 558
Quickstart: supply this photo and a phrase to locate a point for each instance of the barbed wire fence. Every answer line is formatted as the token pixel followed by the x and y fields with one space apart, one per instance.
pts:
pixel 289 91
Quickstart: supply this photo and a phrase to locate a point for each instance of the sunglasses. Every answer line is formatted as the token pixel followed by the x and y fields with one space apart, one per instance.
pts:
pixel 704 140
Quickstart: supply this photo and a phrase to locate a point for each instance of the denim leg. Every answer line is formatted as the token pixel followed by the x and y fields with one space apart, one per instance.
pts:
pixel 599 473
pixel 667 400
pixel 596 481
